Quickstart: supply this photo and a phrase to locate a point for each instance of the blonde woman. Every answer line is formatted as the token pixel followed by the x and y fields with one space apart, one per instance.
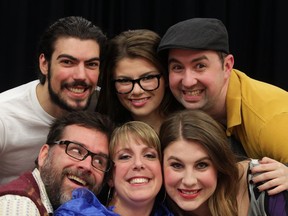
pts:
pixel 136 179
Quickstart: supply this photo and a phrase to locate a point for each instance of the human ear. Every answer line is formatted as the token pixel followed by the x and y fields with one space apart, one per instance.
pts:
pixel 43 64
pixel 43 154
pixel 229 62
pixel 228 65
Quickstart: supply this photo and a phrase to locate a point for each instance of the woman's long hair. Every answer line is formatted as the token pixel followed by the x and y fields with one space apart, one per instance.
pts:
pixel 192 125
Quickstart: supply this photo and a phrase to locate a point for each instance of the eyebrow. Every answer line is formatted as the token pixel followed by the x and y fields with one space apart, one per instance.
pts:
pixel 147 73
pixel 177 159
pixel 102 154
pixel 203 57
pixel 85 146
pixel 75 59
pixel 127 149
pixel 173 158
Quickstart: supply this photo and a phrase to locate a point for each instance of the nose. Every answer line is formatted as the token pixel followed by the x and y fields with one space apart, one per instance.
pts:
pixel 138 163
pixel 79 72
pixel 137 89
pixel 189 78
pixel 189 178
pixel 86 164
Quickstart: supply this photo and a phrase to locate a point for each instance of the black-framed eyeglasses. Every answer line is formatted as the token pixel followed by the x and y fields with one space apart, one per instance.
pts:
pixel 79 152
pixel 147 83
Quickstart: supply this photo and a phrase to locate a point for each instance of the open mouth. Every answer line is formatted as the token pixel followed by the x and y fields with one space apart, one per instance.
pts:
pixel 138 100
pixel 77 90
pixel 77 180
pixel 188 192
pixel 192 93
pixel 139 180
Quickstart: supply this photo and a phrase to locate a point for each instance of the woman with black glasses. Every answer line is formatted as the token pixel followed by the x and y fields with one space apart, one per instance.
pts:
pixel 133 82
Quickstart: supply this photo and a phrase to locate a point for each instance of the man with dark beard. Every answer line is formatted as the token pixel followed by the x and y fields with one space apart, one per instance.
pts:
pixel 69 61
pixel 75 155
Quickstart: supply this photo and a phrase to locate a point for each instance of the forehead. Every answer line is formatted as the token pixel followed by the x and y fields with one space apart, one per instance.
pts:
pixel 81 49
pixel 181 148
pixel 183 54
pixel 92 139
pixel 132 141
pixel 134 67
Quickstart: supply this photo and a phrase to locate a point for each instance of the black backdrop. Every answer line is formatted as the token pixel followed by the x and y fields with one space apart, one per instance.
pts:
pixel 257 30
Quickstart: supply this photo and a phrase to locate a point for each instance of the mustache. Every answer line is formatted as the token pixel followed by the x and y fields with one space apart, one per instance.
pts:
pixel 84 175
pixel 77 83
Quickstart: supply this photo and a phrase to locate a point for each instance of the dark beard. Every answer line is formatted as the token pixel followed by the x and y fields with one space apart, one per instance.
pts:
pixel 61 103
pixel 52 178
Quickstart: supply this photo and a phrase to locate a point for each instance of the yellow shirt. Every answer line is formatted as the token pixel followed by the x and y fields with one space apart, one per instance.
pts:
pixel 257 115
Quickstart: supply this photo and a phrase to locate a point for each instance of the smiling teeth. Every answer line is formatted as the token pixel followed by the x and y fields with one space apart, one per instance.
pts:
pixel 75 178
pixel 189 192
pixel 77 90
pixel 139 100
pixel 193 93
pixel 138 180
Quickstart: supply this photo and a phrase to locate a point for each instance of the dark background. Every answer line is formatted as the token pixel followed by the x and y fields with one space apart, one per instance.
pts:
pixel 257 30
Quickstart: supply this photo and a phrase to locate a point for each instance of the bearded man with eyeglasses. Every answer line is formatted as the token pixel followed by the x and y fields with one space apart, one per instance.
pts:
pixel 75 156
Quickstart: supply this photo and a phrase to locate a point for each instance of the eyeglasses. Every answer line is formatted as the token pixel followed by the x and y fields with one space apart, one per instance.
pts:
pixel 79 152
pixel 147 83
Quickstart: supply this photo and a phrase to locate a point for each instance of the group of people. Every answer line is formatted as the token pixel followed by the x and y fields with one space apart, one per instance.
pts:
pixel 157 139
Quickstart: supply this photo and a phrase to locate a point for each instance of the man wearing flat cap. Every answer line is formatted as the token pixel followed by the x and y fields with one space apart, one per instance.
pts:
pixel 201 76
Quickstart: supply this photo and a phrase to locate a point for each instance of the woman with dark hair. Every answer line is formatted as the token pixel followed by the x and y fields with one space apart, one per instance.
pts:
pixel 134 85
pixel 201 175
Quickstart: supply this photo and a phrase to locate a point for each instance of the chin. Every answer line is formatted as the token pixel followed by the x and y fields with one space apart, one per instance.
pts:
pixel 66 196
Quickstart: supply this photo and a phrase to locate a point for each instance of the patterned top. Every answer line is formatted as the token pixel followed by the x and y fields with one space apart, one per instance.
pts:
pixel 20 205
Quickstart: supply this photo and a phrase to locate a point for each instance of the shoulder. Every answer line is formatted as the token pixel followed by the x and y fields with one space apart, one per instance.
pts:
pixel 243 167
pixel 18 96
pixel 243 194
pixel 18 89
pixel 13 204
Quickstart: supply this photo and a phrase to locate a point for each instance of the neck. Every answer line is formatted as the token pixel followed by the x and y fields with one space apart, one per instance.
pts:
pixel 218 110
pixel 46 103
pixel 132 209
pixel 200 212
pixel 219 115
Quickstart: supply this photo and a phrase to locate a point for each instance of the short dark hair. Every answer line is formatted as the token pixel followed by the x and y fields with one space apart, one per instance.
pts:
pixel 72 26
pixel 87 119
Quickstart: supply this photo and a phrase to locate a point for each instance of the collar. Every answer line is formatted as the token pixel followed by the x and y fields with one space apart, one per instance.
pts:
pixel 233 102
pixel 43 194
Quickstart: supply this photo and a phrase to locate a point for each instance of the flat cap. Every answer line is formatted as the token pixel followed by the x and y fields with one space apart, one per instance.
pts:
pixel 196 33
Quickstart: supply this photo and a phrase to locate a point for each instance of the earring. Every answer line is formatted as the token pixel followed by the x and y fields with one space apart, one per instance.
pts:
pixel 109 196
pixel 164 197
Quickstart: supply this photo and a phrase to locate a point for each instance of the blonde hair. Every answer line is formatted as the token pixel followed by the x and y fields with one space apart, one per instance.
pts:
pixel 137 129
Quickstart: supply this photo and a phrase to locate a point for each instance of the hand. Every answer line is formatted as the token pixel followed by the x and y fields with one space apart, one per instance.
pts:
pixel 273 174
